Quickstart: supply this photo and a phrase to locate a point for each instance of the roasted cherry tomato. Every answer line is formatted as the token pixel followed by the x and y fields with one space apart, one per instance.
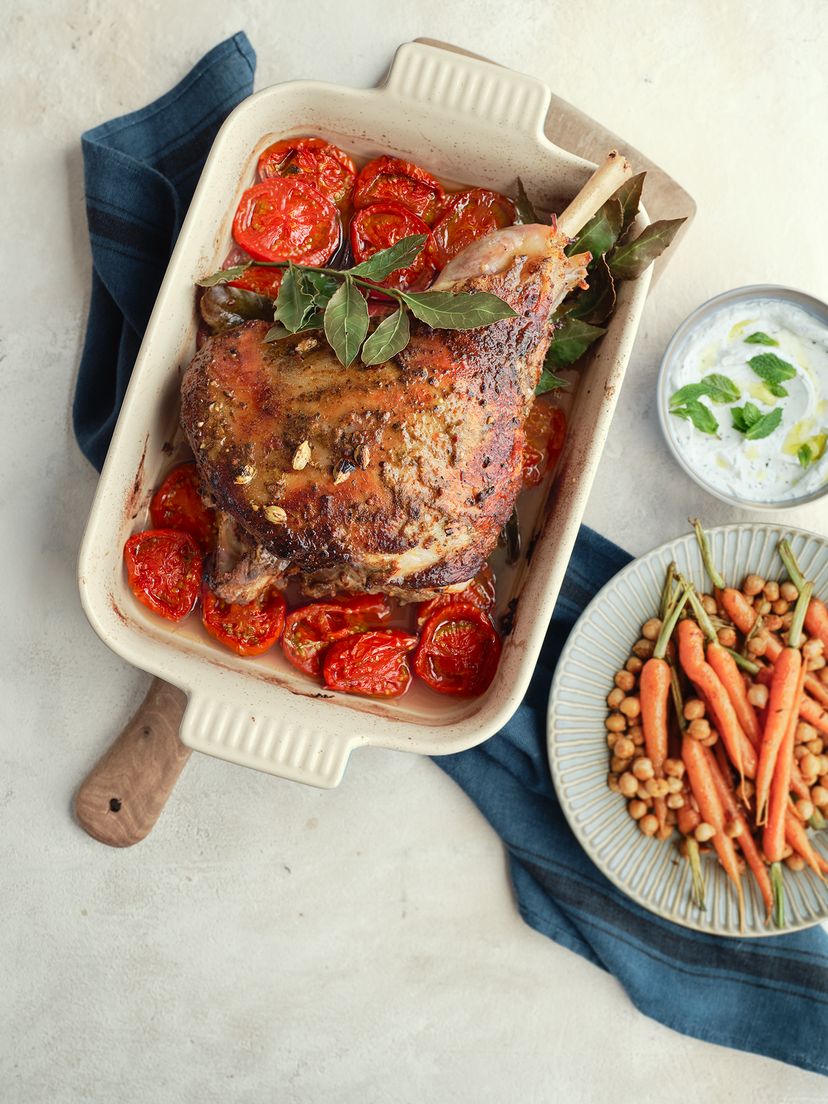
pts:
pixel 310 629
pixel 164 571
pixel 286 219
pixel 545 436
pixel 371 663
pixel 480 592
pixel 264 281
pixel 458 651
pixel 384 224
pixel 389 179
pixel 331 171
pixel 177 504
pixel 467 216
pixel 249 629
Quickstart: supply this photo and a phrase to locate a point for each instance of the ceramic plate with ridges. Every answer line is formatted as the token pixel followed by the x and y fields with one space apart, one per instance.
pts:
pixel 649 871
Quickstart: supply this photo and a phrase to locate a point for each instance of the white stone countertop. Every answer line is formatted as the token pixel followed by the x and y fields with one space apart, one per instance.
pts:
pixel 270 942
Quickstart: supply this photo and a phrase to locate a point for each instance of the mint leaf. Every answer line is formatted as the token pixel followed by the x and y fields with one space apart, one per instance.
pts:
pixel 549 382
pixel 760 338
pixel 687 393
pixel 700 415
pixel 754 425
pixel 721 389
pixel 743 417
pixel 805 455
pixel 771 368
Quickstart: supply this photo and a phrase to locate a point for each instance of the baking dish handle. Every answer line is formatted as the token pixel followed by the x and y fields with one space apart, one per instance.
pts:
pixel 280 746
pixel 468 86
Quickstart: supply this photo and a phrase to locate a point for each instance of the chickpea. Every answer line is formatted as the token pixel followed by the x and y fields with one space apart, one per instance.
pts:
pixel 804 808
pixel 625 680
pixel 710 740
pixel 815 746
pixel 818 663
pixel 631 708
pixel 619 765
pixel 624 747
pixel 648 824
pixel 727 637
pixel 813 648
pixel 615 697
pixel 773 623
pixel 763 607
pixel 771 590
pixel 643 769
pixel 709 604
pixel 799 751
pixel 633 664
pixel 643 649
pixel 694 709
pixel 650 629
pixel 675 801
pixel 637 809
pixel 819 795
pixel 612 739
pixel 656 787
pixel 698 730
pixel 794 862
pixel 642 795
pixel 665 832
pixel 758 695
pixel 823 765
pixel 788 591
pixel 674 768
pixel 674 785
pixel 758 644
pixel 615 722
pixel 636 734
pixel 809 766
pixel 780 606
pixel 734 828
pixel 628 784
pixel 704 832
pixel 804 733
pixel 823 781
pixel 612 783
pixel 787 620
pixel 753 585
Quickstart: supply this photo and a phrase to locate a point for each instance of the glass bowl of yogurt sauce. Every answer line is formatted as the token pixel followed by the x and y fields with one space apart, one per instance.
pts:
pixel 743 396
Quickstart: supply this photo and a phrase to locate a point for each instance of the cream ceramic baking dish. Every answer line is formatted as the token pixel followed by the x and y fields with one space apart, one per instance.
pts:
pixel 465 120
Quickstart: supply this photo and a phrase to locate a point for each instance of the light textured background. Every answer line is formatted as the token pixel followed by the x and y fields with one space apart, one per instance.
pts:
pixel 268 941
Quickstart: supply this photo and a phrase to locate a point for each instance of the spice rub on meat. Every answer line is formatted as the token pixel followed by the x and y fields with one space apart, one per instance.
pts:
pixel 397 477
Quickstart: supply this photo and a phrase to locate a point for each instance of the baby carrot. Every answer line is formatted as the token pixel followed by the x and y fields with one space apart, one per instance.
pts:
pixel 711 809
pixel 816 616
pixel 813 713
pixel 744 616
pixel 783 706
pixel 727 669
pixel 797 837
pixel 773 837
pixel 745 839
pixel 707 682
pixel 654 694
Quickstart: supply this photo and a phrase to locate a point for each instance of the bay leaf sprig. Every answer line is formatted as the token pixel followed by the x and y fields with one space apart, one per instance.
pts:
pixel 334 301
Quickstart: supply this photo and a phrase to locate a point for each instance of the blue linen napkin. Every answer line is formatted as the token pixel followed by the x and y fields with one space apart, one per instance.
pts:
pixel 766 996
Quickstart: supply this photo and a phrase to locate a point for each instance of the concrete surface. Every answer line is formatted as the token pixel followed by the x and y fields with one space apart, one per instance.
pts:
pixel 275 943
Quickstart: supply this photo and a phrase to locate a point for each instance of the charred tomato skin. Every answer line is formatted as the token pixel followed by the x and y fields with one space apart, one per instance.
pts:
pixel 458 651
pixel 328 168
pixel 392 179
pixel 310 629
pixel 372 664
pixel 248 629
pixel 164 571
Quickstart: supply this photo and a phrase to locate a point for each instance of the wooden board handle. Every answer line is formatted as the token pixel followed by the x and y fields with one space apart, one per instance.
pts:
pixel 124 793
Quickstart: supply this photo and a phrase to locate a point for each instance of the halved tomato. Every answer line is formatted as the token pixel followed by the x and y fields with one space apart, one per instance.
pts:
pixel 164 571
pixel 310 629
pixel 384 224
pixel 264 281
pixel 287 219
pixel 545 436
pixel 481 593
pixel 373 663
pixel 458 651
pixel 177 504
pixel 390 179
pixel 328 168
pixel 247 630
pixel 467 216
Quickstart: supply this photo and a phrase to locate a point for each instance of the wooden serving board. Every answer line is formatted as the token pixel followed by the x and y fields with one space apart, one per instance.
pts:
pixel 125 792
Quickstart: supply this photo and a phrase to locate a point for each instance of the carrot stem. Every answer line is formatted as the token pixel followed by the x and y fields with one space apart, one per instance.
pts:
pixel 668 625
pixel 702 616
pixel 817 820
pixel 694 861
pixel 706 555
pixel 788 558
pixel 667 592
pixel 778 888
pixel 678 700
pixel 800 609
pixel 743 662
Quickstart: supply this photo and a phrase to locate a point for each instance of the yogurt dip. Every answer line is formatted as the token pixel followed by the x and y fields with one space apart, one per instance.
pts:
pixel 783 458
